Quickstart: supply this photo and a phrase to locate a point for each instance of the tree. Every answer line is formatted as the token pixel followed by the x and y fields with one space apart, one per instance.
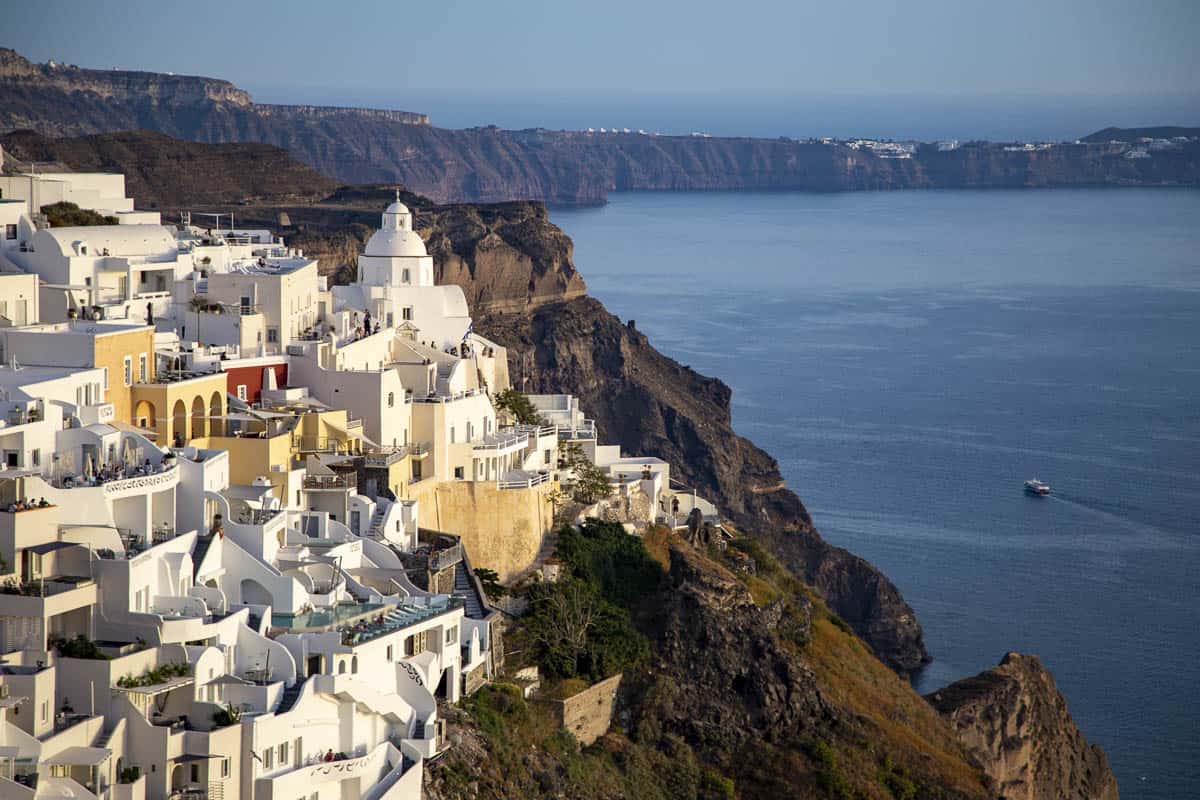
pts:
pixel 519 406
pixel 491 582
pixel 605 555
pixel 577 633
pixel 589 483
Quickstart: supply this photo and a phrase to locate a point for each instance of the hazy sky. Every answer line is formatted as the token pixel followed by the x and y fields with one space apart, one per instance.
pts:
pixel 793 46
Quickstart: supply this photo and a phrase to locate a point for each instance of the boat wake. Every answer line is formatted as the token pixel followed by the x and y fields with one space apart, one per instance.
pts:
pixel 1093 510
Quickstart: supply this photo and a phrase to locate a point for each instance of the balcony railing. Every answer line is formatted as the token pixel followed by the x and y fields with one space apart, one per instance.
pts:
pixel 331 482
pixel 46 587
pixel 117 479
pixel 322 444
pixel 502 441
pixel 527 482
pixel 385 457
pixel 188 794
pixel 445 398
pixel 585 431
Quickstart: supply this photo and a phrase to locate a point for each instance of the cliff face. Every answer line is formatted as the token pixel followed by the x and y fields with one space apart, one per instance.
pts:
pixel 507 257
pixel 744 695
pixel 164 172
pixel 1015 722
pixel 651 405
pixel 490 165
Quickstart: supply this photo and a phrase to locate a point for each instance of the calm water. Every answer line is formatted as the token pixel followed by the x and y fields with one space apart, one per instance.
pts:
pixel 911 357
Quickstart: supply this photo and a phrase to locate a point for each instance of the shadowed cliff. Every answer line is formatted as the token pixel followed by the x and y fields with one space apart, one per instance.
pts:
pixel 489 164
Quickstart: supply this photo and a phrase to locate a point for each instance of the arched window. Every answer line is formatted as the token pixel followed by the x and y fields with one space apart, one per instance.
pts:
pixel 354 666
pixel 342 668
pixel 391 399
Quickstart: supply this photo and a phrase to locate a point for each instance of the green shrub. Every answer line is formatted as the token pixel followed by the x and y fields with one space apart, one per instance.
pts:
pixel 830 776
pixel 155 676
pixel 604 554
pixel 576 633
pixel 519 406
pixel 226 716
pixel 717 786
pixel 491 582
pixel 79 647
pixel 64 214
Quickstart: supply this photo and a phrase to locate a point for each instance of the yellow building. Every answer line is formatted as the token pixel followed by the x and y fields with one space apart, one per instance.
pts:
pixel 179 408
pixel 275 444
pixel 124 350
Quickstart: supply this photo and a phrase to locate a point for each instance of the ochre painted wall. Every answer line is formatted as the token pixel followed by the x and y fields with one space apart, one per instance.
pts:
pixel 111 350
pixel 502 529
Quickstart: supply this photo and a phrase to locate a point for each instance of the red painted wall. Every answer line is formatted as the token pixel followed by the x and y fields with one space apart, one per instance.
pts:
pixel 252 377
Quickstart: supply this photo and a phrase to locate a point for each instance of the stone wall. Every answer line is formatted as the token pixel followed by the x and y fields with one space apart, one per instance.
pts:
pixel 501 529
pixel 588 715
pixel 474 679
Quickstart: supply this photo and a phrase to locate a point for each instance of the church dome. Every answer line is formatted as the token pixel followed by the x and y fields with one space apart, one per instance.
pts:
pixel 394 243
pixel 396 238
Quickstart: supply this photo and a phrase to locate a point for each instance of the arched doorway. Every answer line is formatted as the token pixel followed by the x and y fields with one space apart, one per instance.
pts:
pixel 254 593
pixel 216 416
pixel 179 778
pixel 199 414
pixel 178 424
pixel 144 415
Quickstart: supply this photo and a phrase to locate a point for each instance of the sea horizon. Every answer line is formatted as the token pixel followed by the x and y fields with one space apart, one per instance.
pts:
pixel 1000 117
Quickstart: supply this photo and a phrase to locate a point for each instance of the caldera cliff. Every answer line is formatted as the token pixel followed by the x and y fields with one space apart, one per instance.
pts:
pixel 757 681
pixel 1015 722
pixel 357 145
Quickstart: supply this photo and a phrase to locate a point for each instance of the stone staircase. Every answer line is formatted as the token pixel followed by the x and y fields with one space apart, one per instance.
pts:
pixel 444 370
pixel 464 588
pixel 105 736
pixel 290 694
pixel 375 529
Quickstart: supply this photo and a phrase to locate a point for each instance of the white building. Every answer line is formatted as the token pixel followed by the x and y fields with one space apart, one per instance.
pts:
pixel 396 284
pixel 102 192
pixel 105 271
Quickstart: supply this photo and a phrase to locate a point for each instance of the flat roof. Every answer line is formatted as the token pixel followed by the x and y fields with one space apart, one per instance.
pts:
pixel 50 547
pixel 80 756
pixel 81 327
pixel 37 374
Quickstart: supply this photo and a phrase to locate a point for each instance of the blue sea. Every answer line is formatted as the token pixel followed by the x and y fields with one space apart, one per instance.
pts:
pixel 911 357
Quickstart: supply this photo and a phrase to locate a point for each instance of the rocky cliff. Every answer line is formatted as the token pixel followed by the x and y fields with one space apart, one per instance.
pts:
pixel 652 405
pixel 163 172
pixel 488 164
pixel 752 689
pixel 1015 722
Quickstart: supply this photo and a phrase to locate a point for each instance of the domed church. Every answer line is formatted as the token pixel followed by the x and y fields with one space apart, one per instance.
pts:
pixel 395 284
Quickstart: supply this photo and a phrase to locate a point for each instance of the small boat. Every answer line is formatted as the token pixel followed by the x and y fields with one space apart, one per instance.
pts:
pixel 1034 486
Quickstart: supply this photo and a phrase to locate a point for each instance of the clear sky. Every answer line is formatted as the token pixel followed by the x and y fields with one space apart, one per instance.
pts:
pixel 1000 69
pixel 926 46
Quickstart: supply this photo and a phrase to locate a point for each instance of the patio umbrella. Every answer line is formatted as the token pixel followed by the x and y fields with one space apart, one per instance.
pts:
pixel 89 470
